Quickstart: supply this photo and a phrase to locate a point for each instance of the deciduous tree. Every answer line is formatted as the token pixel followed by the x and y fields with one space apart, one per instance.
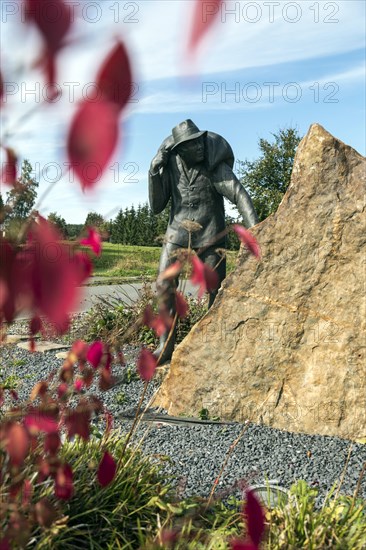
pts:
pixel 267 178
pixel 20 200
pixel 59 222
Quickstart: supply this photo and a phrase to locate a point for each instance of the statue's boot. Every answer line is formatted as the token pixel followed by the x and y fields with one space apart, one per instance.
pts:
pixel 168 351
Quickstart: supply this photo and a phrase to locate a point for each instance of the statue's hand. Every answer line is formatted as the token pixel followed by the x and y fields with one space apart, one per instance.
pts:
pixel 160 160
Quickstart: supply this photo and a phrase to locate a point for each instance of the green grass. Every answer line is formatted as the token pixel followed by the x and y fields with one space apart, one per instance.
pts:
pixel 138 511
pixel 127 261
pixel 121 515
pixel 340 524
pixel 119 260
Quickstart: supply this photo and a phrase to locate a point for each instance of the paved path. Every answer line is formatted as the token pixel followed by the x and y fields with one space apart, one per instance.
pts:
pixel 126 292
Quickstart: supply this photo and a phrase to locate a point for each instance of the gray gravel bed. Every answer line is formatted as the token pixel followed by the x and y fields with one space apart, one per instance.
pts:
pixel 21 326
pixel 193 455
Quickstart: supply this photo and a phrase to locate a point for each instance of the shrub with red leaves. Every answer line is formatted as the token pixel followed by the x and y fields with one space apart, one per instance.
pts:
pixel 254 518
pixel 44 276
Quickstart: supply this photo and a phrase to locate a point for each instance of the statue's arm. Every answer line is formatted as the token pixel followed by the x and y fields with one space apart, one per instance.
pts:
pixel 159 186
pixel 159 191
pixel 228 185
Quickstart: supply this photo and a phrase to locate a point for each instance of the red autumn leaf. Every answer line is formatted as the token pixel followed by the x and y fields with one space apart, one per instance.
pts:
pixel 77 422
pixel 32 344
pixel 198 275
pixel 203 276
pixel 108 361
pixel 181 305
pixel 40 422
pixel 159 323
pixel 169 537
pixel 62 389
pixel 14 395
pixel 105 380
pixel 88 376
pixel 64 487
pixel 44 470
pixel 45 512
pixel 79 349
pixel 148 316
pixel 33 443
pixel 52 28
pixel 50 276
pixel 248 240
pixel 204 15
pixel 9 169
pixel 114 79
pixel 95 404
pixel 67 371
pixel 39 389
pixel 17 443
pixel 35 325
pixel 211 277
pixel 78 384
pixel 106 469
pixel 5 544
pixel 95 353
pixel 53 20
pixel 8 276
pixel 94 241
pixel 15 487
pixel 146 364
pixel 92 139
pixel 83 267
pixel 238 544
pixel 4 294
pixel 254 517
pixel 171 272
pixel 27 492
pixel 52 443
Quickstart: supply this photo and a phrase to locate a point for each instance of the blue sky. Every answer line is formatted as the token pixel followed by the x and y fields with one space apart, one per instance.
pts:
pixel 265 66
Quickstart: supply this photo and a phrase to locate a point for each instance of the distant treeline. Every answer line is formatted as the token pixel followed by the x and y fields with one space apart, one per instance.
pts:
pixel 136 226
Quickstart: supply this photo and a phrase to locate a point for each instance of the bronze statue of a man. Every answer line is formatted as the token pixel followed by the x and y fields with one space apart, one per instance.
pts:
pixel 193 169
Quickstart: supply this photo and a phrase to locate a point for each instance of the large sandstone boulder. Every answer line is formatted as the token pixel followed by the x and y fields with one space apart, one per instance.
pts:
pixel 284 343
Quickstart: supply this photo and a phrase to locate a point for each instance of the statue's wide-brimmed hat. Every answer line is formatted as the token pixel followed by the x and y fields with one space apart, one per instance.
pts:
pixel 185 131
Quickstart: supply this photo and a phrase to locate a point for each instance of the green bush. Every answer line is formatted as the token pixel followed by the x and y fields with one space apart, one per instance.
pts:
pixel 114 322
pixel 340 524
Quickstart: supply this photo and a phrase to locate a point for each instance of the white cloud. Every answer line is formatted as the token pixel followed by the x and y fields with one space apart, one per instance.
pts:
pixel 156 33
pixel 159 37
pixel 192 101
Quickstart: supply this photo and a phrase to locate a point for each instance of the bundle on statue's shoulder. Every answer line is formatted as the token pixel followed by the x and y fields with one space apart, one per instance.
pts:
pixel 217 150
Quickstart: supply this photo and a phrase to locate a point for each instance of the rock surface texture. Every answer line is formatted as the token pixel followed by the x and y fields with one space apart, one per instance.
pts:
pixel 284 343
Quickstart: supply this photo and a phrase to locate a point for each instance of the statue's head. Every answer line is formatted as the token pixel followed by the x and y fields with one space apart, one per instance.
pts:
pixel 189 142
